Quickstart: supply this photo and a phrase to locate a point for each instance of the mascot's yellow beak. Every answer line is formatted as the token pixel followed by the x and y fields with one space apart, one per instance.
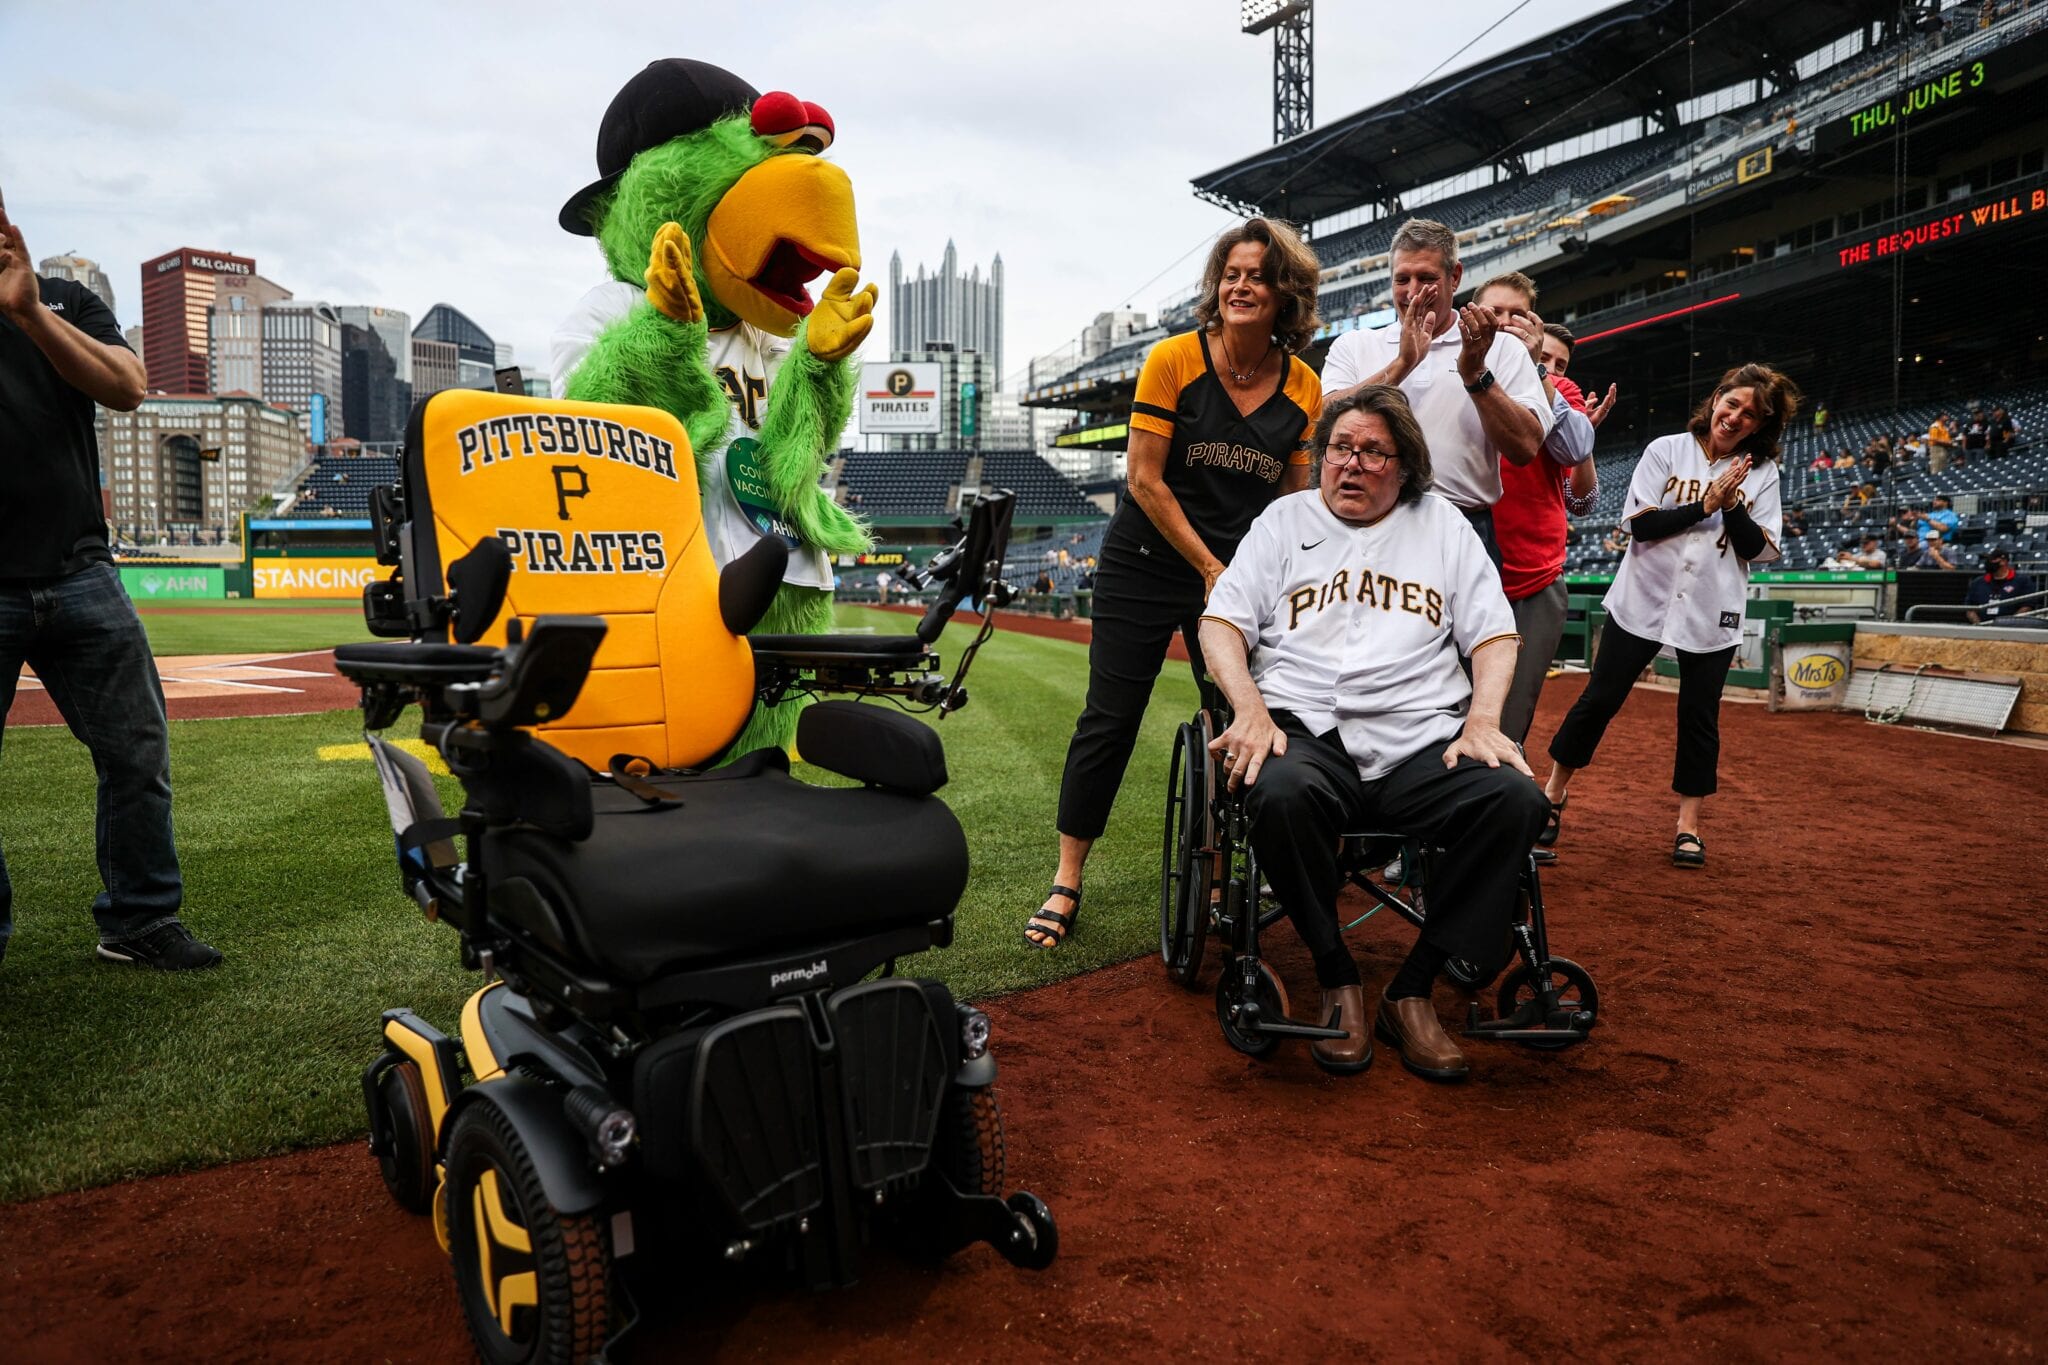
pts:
pixel 783 224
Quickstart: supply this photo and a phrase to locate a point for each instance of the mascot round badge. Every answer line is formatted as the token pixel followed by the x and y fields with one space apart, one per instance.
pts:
pixel 715 210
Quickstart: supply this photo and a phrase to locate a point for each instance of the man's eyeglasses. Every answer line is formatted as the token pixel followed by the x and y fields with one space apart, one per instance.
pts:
pixel 1365 457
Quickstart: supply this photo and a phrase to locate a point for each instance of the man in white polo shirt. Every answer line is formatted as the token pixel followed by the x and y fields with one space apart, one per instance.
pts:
pixel 1472 386
pixel 1358 596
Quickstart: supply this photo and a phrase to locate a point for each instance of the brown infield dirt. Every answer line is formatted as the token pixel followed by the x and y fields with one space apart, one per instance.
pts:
pixel 1809 1125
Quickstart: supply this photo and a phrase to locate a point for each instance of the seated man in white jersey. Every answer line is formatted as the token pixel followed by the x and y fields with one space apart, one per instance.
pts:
pixel 1335 634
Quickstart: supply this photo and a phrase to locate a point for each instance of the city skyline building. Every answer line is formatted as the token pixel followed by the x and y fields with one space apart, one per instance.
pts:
pixel 84 270
pixel 159 479
pixel 965 312
pixel 375 400
pixel 390 324
pixel 476 353
pixel 235 333
pixel 436 365
pixel 178 292
pixel 302 360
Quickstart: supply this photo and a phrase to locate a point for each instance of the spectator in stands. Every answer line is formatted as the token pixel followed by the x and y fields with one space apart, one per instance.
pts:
pixel 1795 522
pixel 1471 385
pixel 1995 588
pixel 64 612
pixel 1822 461
pixel 1940 444
pixel 1820 418
pixel 1220 426
pixel 1703 504
pixel 1844 459
pixel 1941 517
pixel 1878 456
pixel 1906 449
pixel 1615 541
pixel 1042 585
pixel 1929 553
pixel 1865 554
pixel 1531 520
pixel 1858 497
pixel 1976 433
pixel 2001 434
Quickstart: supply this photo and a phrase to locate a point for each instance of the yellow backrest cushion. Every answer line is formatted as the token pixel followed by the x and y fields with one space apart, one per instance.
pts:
pixel 598 504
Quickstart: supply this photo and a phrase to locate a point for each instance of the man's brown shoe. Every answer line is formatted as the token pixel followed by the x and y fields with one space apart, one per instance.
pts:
pixel 1411 1025
pixel 1353 1053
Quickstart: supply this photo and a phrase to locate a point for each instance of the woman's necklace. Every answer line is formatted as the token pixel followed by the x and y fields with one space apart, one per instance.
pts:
pixel 1230 363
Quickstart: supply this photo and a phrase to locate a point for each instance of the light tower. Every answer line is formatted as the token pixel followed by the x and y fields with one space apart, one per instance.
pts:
pixel 1292 24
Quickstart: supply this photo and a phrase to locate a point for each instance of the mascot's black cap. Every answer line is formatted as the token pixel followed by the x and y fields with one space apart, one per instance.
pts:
pixel 672 97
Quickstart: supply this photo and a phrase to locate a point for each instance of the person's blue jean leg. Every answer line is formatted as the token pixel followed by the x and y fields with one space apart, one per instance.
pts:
pixel 88 648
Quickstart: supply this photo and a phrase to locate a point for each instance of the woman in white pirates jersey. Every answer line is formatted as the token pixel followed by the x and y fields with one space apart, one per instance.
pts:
pixel 1702 508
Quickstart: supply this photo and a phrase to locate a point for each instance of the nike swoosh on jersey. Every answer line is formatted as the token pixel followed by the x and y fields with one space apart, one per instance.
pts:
pixel 1313 545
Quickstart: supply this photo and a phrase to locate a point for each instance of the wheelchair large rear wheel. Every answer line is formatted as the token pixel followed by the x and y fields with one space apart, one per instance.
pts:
pixel 533 1282
pixel 405 1133
pixel 969 1145
pixel 1271 995
pixel 1184 869
pixel 1577 992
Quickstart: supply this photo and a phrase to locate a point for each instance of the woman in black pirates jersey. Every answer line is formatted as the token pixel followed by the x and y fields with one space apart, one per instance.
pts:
pixel 1702 508
pixel 1219 428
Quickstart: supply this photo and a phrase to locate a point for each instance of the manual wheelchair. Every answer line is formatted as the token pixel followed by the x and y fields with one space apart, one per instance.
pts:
pixel 1210 886
pixel 692 1047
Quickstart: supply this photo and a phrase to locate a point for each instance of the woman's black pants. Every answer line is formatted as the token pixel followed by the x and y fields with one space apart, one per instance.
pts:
pixel 1621 659
pixel 1141 599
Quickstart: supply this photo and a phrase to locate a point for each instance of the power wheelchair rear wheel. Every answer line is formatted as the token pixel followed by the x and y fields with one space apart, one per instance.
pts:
pixel 534 1283
pixel 1185 872
pixel 1270 993
pixel 405 1150
pixel 1575 989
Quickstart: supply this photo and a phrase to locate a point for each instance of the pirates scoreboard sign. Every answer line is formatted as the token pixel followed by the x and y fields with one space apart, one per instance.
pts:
pixel 899 399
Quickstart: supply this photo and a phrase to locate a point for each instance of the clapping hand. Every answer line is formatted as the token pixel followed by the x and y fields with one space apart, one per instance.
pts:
pixel 1598 412
pixel 1723 492
pixel 1528 329
pixel 1476 328
pixel 18 292
pixel 1418 326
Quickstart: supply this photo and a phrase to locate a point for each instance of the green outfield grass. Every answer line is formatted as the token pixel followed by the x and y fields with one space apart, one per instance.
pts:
pixel 250 627
pixel 107 1072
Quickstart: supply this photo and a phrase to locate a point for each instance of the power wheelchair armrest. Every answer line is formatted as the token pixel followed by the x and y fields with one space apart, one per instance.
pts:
pixel 532 680
pixel 873 744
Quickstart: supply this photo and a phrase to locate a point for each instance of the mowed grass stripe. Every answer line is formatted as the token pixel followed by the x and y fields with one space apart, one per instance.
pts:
pixel 249 627
pixel 107 1073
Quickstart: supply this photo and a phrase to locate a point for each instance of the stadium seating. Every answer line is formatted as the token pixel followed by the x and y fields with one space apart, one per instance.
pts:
pixel 899 483
pixel 339 485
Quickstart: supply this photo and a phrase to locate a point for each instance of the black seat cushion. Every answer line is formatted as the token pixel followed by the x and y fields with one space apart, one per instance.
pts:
pixel 751 860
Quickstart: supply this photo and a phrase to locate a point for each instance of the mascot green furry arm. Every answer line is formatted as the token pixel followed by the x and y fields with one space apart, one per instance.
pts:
pixel 714 212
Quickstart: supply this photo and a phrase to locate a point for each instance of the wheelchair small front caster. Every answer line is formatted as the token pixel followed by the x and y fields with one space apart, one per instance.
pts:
pixel 1575 995
pixel 1035 1240
pixel 1270 997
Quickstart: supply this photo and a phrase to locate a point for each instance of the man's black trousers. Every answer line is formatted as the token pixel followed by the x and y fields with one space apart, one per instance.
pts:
pixel 1140 601
pixel 1484 819
pixel 1620 661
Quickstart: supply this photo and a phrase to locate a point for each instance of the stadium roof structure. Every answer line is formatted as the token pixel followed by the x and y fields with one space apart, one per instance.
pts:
pixel 1630 61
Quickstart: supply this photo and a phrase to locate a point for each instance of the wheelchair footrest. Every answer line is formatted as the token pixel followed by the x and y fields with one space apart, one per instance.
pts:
pixel 1285 1027
pixel 1531 1024
pixel 1021 1228
pixel 893 1076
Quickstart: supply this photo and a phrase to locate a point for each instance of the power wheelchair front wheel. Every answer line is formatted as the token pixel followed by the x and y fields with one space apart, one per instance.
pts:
pixel 534 1283
pixel 1185 871
pixel 405 1133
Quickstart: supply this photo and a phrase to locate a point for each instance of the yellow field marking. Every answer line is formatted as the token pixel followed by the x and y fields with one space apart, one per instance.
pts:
pixel 360 753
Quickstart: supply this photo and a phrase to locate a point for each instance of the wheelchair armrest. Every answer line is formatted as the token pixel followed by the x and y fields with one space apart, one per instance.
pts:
pixel 416 665
pixel 542 675
pixel 797 650
pixel 871 744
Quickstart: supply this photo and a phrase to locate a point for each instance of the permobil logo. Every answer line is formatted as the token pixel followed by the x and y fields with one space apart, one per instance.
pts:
pixel 1815 671
pixel 810 973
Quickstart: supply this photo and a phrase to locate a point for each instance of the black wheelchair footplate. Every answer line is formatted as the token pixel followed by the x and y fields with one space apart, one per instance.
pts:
pixel 1020 1228
pixel 1536 1021
pixel 1249 1016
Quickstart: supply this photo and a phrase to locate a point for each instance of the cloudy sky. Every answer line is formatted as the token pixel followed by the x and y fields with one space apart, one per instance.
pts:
pixel 408 154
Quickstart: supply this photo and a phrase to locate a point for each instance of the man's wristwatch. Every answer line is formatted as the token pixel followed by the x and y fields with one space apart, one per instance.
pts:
pixel 1482 383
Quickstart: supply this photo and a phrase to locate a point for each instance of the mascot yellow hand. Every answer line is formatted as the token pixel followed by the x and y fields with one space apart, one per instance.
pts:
pixel 843 318
pixel 671 287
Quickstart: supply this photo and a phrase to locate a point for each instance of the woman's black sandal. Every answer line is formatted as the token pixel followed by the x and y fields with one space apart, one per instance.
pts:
pixel 1550 826
pixel 1694 856
pixel 1056 926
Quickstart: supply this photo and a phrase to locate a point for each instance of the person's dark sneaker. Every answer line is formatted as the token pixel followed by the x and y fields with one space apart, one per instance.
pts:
pixel 169 947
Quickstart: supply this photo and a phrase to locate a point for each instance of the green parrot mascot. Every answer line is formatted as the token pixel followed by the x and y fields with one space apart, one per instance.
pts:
pixel 715 210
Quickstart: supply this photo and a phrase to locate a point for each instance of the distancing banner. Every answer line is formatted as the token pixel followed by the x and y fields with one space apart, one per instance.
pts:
pixel 309 577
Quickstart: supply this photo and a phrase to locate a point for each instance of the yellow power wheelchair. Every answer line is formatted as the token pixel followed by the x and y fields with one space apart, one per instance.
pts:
pixel 692 1050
